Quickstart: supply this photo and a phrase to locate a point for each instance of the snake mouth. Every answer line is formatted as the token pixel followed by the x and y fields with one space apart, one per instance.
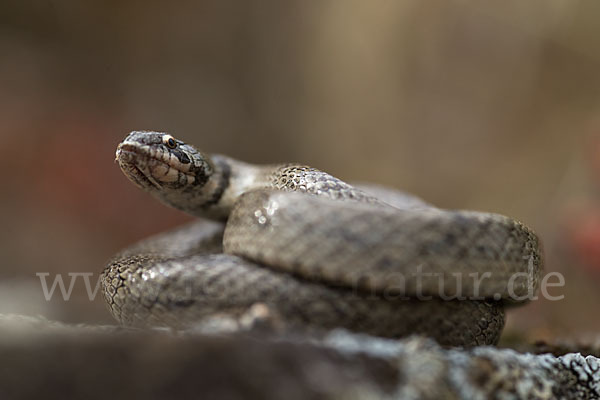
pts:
pixel 141 177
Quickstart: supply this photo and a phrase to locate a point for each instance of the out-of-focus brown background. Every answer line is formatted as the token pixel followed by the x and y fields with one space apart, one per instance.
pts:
pixel 490 106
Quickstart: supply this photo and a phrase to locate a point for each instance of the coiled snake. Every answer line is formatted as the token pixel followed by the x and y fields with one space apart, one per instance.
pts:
pixel 316 251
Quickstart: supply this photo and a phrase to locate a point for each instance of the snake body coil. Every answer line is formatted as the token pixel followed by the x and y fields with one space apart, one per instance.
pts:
pixel 315 250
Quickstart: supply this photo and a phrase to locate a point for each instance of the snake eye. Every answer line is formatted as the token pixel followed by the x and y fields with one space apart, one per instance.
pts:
pixel 170 142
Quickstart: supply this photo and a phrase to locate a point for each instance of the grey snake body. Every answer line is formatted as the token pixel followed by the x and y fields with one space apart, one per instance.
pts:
pixel 316 251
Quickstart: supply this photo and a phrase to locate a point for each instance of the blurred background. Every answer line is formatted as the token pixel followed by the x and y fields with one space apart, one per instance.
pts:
pixel 486 105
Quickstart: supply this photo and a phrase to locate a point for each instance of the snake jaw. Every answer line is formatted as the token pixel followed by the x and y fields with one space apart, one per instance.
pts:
pixel 141 177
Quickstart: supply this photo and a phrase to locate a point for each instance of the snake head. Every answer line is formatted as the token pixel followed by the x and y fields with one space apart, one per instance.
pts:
pixel 168 168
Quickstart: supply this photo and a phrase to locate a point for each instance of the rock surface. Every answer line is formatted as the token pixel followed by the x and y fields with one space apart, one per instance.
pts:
pixel 53 360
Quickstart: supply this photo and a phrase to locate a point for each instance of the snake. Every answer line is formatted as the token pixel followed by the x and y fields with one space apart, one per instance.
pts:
pixel 312 252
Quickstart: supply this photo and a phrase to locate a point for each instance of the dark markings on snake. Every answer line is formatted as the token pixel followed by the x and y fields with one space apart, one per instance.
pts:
pixel 223 184
pixel 181 156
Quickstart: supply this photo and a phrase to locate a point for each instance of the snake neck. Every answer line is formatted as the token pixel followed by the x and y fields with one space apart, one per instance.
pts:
pixel 229 180
pixel 232 178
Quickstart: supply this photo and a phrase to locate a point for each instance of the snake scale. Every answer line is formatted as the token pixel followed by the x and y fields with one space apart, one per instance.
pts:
pixel 316 251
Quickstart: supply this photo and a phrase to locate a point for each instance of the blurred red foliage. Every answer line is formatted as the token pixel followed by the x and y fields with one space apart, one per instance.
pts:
pixel 584 239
